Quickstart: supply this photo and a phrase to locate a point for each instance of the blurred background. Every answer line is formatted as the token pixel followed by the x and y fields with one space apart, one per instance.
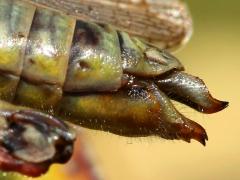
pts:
pixel 213 54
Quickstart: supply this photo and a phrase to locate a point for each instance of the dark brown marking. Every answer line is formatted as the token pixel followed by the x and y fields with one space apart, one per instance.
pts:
pixel 84 65
pixel 83 33
pixel 31 61
pixel 21 35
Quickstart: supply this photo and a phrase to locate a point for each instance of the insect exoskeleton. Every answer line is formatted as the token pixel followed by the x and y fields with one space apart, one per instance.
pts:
pixel 90 74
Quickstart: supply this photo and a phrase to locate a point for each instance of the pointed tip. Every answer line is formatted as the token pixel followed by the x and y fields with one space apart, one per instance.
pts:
pixel 192 130
pixel 203 141
pixel 221 105
pixel 215 106
pixel 224 104
pixel 200 136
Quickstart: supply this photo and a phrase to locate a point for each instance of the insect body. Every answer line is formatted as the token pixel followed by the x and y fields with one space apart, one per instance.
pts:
pixel 91 74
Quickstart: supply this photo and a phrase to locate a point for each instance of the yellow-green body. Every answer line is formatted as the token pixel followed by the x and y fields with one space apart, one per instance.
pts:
pixel 94 75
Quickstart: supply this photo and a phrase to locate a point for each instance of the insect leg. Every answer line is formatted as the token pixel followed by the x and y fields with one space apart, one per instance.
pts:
pixel 31 141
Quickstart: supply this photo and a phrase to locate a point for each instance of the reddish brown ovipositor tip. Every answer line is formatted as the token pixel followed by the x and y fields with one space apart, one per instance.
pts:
pixel 31 141
pixel 191 91
pixel 192 130
pixel 216 106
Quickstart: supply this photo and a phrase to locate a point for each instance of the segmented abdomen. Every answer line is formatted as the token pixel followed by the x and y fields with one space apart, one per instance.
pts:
pixel 46 57
pixel 54 63
pixel 44 54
